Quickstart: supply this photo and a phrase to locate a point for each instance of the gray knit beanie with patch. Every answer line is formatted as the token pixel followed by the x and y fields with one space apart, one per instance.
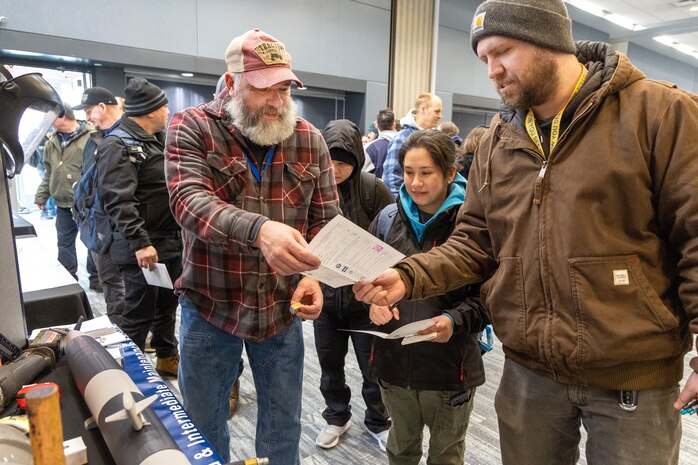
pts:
pixel 541 22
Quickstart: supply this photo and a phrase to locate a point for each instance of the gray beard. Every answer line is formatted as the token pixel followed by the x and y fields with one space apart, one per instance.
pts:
pixel 254 127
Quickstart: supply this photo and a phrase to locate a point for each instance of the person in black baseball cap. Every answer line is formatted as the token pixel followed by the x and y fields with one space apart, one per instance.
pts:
pixel 101 107
pixel 103 111
pixel 94 96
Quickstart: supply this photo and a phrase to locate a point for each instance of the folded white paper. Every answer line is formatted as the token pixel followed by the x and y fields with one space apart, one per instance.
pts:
pixel 407 332
pixel 158 277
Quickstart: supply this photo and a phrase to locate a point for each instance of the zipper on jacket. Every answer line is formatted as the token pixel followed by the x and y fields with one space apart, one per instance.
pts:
pixel 543 253
pixel 538 191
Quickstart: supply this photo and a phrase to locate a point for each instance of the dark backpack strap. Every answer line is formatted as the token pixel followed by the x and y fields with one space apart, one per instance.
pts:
pixel 386 218
pixel 134 149
pixel 124 136
pixel 367 204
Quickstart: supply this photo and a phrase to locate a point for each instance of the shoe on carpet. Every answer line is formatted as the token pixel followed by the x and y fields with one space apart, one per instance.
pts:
pixel 97 287
pixel 168 365
pixel 329 436
pixel 381 438
pixel 233 400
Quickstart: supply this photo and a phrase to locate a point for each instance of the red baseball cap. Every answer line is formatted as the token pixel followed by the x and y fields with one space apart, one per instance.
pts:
pixel 261 58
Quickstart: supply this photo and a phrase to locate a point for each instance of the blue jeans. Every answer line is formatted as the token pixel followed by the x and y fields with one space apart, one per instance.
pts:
pixel 208 368
pixel 67 232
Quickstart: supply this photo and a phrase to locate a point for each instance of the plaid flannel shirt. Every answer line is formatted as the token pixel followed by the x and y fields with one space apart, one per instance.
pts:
pixel 218 202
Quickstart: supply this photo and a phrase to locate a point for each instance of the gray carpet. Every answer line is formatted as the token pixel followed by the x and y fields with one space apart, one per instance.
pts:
pixel 357 446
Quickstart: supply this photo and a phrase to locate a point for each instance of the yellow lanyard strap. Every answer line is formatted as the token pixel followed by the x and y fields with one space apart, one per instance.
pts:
pixel 532 130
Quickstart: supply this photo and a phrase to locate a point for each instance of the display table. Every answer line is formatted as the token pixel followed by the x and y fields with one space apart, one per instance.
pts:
pixel 22 227
pixel 51 295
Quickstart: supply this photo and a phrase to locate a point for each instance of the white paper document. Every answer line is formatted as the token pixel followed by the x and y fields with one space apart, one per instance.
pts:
pixel 407 332
pixel 349 254
pixel 158 277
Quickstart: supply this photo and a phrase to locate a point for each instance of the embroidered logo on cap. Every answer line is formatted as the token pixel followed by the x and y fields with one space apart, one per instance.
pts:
pixel 271 53
pixel 479 22
pixel 84 98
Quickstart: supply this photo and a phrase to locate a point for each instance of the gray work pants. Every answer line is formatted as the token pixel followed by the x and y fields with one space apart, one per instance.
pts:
pixel 540 419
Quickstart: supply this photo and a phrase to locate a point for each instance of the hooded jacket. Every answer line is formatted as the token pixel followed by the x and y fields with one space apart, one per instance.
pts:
pixel 592 253
pixel 452 366
pixel 135 196
pixel 362 196
pixel 62 168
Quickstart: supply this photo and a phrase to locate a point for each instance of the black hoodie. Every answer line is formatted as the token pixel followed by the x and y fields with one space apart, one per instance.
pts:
pixel 362 197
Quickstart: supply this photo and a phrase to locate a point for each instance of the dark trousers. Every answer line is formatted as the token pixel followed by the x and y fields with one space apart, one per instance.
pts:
pixel 150 308
pixel 66 233
pixel 91 267
pixel 112 284
pixel 332 346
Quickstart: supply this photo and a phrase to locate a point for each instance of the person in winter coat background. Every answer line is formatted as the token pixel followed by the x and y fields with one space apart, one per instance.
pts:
pixel 362 195
pixel 429 383
pixel 62 161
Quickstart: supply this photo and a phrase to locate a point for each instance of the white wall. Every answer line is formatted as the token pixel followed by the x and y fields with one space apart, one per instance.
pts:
pixel 346 38
pixel 460 73
pixel 339 44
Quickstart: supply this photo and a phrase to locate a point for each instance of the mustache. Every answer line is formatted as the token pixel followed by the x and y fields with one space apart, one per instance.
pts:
pixel 502 82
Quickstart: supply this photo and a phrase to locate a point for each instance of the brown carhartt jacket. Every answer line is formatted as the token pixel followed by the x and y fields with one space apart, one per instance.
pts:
pixel 590 255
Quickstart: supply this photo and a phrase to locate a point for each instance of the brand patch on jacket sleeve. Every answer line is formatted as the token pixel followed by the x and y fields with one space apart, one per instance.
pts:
pixel 621 278
pixel 479 22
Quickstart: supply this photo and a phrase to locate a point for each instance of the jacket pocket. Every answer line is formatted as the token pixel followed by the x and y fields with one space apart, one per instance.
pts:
pixel 504 298
pixel 620 317
pixel 299 183
pixel 229 177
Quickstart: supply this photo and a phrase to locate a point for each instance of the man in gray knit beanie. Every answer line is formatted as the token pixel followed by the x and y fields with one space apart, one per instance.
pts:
pixel 540 22
pixel 543 28
pixel 581 218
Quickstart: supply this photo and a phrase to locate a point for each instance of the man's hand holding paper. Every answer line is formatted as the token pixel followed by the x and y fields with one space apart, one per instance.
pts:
pixel 349 254
pixel 285 249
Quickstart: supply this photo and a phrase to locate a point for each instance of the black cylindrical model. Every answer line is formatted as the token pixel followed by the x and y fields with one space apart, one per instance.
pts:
pixel 103 383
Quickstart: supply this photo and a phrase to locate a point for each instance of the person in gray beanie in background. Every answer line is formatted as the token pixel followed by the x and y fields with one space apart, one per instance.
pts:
pixel 581 213
pixel 131 177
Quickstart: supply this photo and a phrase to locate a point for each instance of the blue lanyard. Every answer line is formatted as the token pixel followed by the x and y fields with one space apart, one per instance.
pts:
pixel 250 162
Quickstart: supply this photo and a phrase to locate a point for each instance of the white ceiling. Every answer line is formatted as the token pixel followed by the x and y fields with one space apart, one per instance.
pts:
pixel 652 18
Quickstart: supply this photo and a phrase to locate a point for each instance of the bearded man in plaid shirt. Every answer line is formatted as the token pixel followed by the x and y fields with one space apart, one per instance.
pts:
pixel 250 183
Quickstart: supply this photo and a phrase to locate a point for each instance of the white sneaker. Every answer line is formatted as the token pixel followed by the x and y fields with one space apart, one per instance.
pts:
pixel 329 436
pixel 381 438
